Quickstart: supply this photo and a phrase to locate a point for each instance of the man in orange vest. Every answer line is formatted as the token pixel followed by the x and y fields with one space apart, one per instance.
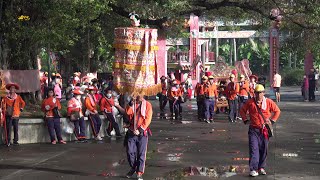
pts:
pixel 139 112
pixel 106 105
pixel 163 95
pixel 75 114
pixel 175 101
pixel 258 134
pixel 91 111
pixel 211 95
pixel 13 105
pixel 199 95
pixel 244 91
pixel 232 93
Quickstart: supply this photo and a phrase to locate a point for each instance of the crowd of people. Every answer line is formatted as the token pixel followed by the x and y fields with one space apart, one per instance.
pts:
pixel 208 92
pixel 88 99
pixel 243 96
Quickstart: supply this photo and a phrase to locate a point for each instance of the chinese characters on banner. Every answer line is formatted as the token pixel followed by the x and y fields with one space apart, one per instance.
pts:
pixel 274 52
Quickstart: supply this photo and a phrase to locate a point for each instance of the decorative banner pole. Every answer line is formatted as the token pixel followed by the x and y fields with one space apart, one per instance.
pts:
pixel 274 43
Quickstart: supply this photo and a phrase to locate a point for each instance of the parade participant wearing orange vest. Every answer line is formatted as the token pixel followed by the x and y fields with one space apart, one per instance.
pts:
pixel 232 93
pixel 75 115
pixel 106 105
pixel 252 85
pixel 244 91
pixel 13 105
pixel 163 98
pixel 175 100
pixel 139 112
pixel 91 111
pixel 260 109
pixel 50 106
pixel 199 95
pixel 211 95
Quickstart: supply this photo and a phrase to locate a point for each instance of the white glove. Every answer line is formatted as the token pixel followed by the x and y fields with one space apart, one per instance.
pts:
pixel 47 107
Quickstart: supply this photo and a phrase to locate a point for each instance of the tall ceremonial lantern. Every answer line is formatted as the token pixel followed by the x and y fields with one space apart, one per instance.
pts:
pixel 135 65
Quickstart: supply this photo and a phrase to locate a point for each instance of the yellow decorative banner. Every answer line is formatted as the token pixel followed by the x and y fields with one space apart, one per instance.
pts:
pixel 146 91
pixel 132 67
pixel 134 47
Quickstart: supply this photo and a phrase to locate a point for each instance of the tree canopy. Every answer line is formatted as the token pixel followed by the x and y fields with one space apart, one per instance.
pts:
pixel 82 30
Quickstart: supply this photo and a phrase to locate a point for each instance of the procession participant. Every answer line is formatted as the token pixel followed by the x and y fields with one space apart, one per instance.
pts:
pixel 312 85
pixel 137 136
pixel 174 100
pixel 276 85
pixel 252 85
pixel 75 114
pixel 199 95
pixel 50 106
pixel 58 75
pixel 3 94
pixel 76 78
pixel 163 98
pixel 189 87
pixel 57 88
pixel 258 133
pixel 91 111
pixel 244 91
pixel 211 95
pixel 13 105
pixel 232 96
pixel 106 105
pixel 44 84
pixel 305 88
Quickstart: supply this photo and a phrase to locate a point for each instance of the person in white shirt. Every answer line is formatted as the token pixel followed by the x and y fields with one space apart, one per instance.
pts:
pixel 276 85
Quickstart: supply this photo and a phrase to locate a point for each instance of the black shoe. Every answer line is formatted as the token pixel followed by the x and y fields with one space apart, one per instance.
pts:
pixel 130 173
pixel 16 143
pixel 83 140
pixel 8 144
pixel 108 134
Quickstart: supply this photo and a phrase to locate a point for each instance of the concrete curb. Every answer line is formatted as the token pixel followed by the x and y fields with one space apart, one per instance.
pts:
pixel 35 130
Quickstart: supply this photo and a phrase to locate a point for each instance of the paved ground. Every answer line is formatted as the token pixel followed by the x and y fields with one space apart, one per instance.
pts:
pixel 177 149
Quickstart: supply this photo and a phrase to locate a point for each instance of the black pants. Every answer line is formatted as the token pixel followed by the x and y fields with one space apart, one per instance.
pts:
pixel 233 109
pixel 95 123
pixel 311 93
pixel 201 108
pixel 9 123
pixel 54 128
pixel 163 101
pixel 112 124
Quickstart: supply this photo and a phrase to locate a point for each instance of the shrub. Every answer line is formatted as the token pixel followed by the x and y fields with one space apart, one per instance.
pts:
pixel 292 77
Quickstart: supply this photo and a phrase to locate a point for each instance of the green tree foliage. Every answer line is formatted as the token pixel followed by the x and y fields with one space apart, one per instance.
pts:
pixel 83 29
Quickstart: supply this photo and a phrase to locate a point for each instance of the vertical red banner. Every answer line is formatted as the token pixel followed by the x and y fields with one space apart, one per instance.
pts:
pixel 274 52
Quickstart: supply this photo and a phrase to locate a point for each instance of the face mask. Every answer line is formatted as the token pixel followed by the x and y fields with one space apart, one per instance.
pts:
pixel 109 96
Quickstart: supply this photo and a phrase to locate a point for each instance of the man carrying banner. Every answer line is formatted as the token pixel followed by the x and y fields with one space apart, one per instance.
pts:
pixel 139 112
